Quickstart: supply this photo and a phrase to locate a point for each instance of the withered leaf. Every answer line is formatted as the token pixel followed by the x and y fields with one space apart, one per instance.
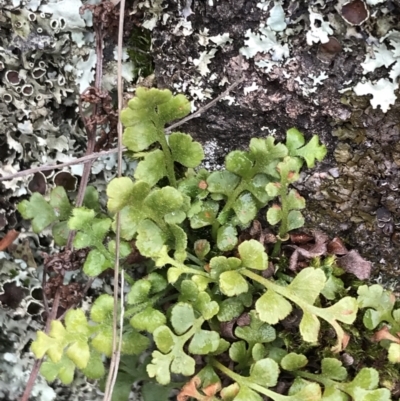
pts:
pixel 354 263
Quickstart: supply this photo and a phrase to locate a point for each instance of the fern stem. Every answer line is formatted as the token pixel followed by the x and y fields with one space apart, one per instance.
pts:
pixel 169 162
pixel 246 381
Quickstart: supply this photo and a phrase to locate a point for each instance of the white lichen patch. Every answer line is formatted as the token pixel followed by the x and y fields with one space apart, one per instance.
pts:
pixel 382 93
pixel 204 60
pixel 319 29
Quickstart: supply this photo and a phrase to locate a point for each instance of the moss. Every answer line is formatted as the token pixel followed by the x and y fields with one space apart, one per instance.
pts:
pixel 139 46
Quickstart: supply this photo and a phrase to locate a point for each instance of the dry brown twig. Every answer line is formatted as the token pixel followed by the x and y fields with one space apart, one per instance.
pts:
pixel 116 346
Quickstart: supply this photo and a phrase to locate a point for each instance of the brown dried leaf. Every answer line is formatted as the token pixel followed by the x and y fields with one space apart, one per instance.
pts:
pixel 317 249
pixel 243 320
pixel 301 238
pixel 354 263
pixel 227 329
pixel 337 247
pixel 8 239
pixel 384 334
pixel 190 390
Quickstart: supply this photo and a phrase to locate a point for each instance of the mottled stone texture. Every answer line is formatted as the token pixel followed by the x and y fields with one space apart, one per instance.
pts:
pixel 360 173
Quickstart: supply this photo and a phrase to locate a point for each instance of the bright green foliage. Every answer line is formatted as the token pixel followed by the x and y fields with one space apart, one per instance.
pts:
pixel 171 357
pixel 201 294
pixel 55 212
pixel 39 211
pixel 380 304
pixel 79 343
pixel 273 306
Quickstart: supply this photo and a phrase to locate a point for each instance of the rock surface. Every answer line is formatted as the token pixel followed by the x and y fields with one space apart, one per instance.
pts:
pixel 304 88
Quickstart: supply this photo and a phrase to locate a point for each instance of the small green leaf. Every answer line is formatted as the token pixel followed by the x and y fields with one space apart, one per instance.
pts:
pixel 64 370
pixel 394 353
pixel 245 208
pixel 309 327
pixel 206 215
pixel 201 248
pixel 184 150
pixel 159 367
pixel 345 310
pixel 102 309
pixel 139 292
pixel 366 378
pixel 60 232
pixel 305 392
pixel 158 282
pixel 222 182
pixel 333 286
pixel 183 364
pixel 148 320
pixel 95 368
pixel 95 263
pixel 294 140
pixel 333 369
pixel 333 394
pixel 102 342
pixel 79 353
pixel 180 239
pixel 295 220
pixel 182 317
pixel 257 187
pixel 265 372
pixel 164 338
pixel 238 352
pixel 246 394
pixel 256 332
pixel 75 321
pixel 124 192
pixel 91 199
pixel 149 99
pixel 164 200
pixel 273 189
pixel 300 286
pixel 313 150
pixel 175 217
pixel 119 192
pixel 229 309
pixel 176 108
pixel 274 214
pixel 152 168
pixel 37 210
pixel 293 361
pixel 140 136
pixel 42 343
pixel 226 237
pixel 252 254
pixel 232 283
pixel 205 306
pixel 289 170
pixel 272 307
pixel 295 201
pixel 150 238
pixel 204 342
pixel 60 202
pixel 81 218
pixel 380 300
pixel 239 163
pixel 134 343
pixel 266 154
pixel 173 274
pixel 230 392
pixel 220 264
